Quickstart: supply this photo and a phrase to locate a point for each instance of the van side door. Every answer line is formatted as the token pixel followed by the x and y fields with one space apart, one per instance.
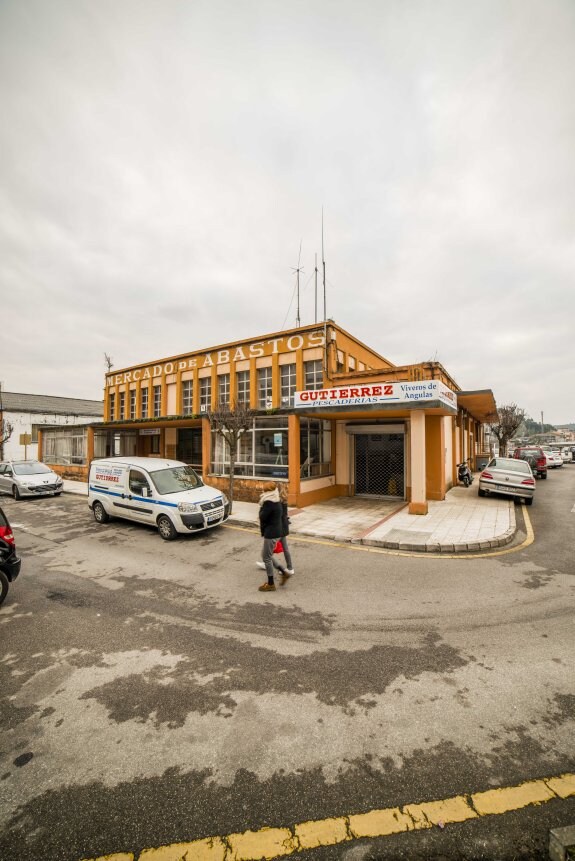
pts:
pixel 137 502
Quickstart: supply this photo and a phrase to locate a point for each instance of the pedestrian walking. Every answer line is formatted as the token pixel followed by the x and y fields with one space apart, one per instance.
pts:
pixel 287 570
pixel 271 528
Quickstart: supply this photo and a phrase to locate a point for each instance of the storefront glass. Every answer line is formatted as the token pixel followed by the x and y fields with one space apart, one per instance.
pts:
pixel 315 448
pixel 262 451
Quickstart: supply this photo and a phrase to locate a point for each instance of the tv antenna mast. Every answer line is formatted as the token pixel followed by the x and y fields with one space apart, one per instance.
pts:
pixel 297 271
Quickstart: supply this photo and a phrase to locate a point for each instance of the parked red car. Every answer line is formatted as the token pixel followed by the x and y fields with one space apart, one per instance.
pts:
pixel 535 457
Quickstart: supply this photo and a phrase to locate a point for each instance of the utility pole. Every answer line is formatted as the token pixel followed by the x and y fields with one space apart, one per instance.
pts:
pixel 542 431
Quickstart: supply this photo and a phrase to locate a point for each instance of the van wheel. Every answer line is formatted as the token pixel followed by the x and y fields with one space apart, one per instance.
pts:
pixel 166 528
pixel 3 586
pixel 15 492
pixel 100 513
pixel 481 492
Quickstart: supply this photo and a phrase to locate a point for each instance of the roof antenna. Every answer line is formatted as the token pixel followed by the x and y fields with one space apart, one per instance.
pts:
pixel 315 289
pixel 297 271
pixel 323 264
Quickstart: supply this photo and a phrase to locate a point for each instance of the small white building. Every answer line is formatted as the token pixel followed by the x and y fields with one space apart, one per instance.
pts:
pixel 27 413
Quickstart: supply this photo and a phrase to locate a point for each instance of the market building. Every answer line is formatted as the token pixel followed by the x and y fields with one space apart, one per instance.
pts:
pixel 332 417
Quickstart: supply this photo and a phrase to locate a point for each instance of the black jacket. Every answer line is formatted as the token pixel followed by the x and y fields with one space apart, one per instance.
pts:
pixel 271 519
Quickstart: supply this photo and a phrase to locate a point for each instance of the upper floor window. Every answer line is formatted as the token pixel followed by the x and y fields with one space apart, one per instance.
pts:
pixel 157 401
pixel 288 384
pixel 145 407
pixel 132 403
pixel 205 394
pixel 224 390
pixel 187 397
pixel 243 387
pixel 112 405
pixel 122 405
pixel 264 388
pixel 313 374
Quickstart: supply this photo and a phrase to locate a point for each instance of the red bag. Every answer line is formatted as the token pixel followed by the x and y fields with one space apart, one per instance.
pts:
pixel 279 548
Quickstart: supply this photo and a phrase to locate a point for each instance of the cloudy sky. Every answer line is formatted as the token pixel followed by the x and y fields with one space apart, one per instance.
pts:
pixel 163 160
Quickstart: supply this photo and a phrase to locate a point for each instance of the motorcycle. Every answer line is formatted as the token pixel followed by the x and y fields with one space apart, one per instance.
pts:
pixel 464 474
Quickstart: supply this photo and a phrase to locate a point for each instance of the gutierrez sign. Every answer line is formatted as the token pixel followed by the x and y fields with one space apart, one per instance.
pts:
pixel 377 394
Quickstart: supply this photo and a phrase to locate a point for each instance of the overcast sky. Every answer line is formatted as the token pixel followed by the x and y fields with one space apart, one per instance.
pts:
pixel 162 160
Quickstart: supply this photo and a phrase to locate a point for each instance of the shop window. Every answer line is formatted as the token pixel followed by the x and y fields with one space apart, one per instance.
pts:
pixel 265 388
pixel 313 374
pixel 262 450
pixel 157 401
pixel 224 390
pixel 243 387
pixel 65 446
pixel 145 398
pixel 187 397
pixel 112 406
pixel 155 444
pixel 132 403
pixel 315 448
pixel 205 394
pixel 288 384
pixel 122 405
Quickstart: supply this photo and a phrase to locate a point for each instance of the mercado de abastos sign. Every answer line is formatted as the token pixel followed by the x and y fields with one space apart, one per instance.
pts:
pixel 237 353
pixel 377 394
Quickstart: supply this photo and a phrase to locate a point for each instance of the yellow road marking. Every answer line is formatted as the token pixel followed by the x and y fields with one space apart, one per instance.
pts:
pixel 421 554
pixel 269 843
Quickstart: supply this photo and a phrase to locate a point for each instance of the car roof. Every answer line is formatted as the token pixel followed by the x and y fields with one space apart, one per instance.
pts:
pixel 151 464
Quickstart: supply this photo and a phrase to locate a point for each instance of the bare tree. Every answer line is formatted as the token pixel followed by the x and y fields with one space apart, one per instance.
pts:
pixel 6 431
pixel 231 421
pixel 510 417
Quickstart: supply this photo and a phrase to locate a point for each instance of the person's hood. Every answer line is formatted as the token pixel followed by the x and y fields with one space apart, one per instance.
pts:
pixel 270 496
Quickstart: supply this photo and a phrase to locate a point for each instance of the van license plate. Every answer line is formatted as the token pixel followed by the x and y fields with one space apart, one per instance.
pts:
pixel 211 517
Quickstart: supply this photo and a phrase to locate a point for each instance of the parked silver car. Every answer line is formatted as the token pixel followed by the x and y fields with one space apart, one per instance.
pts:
pixel 508 476
pixel 29 478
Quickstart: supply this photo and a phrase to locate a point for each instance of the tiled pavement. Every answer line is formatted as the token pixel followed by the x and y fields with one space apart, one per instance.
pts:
pixel 462 522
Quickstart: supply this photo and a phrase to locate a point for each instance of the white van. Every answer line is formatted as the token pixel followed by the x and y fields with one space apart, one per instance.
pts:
pixel 166 494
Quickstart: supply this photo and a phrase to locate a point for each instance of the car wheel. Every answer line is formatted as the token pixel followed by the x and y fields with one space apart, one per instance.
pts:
pixel 542 475
pixel 3 586
pixel 529 501
pixel 166 528
pixel 58 493
pixel 16 493
pixel 481 492
pixel 100 513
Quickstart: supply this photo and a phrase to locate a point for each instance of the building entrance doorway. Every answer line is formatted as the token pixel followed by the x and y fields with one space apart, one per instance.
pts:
pixel 380 464
pixel 189 447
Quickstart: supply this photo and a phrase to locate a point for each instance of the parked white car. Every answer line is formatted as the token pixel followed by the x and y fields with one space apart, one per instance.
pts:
pixel 566 455
pixel 554 459
pixel 29 478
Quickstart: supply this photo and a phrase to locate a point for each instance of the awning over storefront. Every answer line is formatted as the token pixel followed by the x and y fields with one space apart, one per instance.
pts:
pixel 479 404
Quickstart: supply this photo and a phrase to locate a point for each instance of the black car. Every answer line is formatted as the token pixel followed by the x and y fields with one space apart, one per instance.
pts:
pixel 10 562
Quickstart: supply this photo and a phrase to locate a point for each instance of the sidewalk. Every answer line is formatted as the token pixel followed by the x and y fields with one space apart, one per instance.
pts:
pixel 461 523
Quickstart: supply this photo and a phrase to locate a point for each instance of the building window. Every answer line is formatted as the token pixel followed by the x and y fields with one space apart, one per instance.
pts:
pixel 132 403
pixel 287 385
pixel 122 405
pixel 224 390
pixel 145 397
pixel 315 448
pixel 205 394
pixel 155 444
pixel 262 450
pixel 243 387
pixel 157 401
pixel 112 405
pixel 313 374
pixel 187 397
pixel 66 446
pixel 265 388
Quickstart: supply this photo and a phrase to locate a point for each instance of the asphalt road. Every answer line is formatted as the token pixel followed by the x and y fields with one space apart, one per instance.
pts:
pixel 151 695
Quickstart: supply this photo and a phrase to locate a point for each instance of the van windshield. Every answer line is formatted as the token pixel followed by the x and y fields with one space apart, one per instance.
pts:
pixel 176 479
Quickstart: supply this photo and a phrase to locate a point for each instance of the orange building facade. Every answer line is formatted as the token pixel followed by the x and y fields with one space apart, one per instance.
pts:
pixel 332 417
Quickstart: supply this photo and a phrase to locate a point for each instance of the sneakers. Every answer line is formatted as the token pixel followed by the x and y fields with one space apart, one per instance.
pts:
pixel 267 587
pixel 290 571
pixel 261 565
pixel 284 577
